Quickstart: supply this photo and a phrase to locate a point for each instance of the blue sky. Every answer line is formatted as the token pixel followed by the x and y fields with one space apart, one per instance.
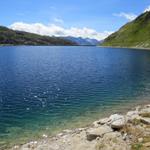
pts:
pixel 98 15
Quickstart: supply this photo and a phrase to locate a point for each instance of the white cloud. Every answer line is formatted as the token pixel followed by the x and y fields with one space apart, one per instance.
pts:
pixel 57 20
pixel 147 9
pixel 128 16
pixel 55 30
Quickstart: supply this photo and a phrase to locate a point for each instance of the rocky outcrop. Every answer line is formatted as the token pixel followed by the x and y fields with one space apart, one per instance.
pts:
pixel 117 132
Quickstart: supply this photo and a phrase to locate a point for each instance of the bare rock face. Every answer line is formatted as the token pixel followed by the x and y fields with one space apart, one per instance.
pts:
pixel 117 121
pixel 93 133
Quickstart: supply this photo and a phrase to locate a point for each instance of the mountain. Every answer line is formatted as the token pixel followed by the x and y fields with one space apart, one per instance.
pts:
pixel 83 41
pixel 11 37
pixel 133 34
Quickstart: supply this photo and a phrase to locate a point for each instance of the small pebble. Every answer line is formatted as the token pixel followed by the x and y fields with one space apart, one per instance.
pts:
pixel 16 147
pixel 44 136
pixel 140 140
pixel 124 136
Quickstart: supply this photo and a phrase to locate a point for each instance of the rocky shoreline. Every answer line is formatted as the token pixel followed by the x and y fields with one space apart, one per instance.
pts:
pixel 117 132
pixel 123 47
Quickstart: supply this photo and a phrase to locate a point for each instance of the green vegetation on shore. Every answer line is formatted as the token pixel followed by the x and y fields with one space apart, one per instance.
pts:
pixel 133 34
pixel 11 37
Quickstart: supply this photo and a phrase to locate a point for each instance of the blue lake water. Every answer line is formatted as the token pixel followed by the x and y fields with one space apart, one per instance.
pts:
pixel 47 89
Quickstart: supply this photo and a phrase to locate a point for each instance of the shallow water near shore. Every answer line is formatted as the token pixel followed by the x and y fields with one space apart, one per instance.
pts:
pixel 44 90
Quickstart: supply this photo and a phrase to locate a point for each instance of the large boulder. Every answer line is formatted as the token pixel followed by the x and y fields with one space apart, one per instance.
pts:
pixel 117 121
pixel 93 133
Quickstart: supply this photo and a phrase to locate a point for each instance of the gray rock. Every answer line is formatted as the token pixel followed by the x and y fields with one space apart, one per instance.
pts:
pixel 93 133
pixel 145 112
pixel 145 120
pixel 124 137
pixel 117 121
pixel 104 121
pixel 131 115
pixel 101 122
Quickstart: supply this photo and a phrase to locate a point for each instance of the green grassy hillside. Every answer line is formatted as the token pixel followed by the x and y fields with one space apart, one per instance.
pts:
pixel 133 34
pixel 11 37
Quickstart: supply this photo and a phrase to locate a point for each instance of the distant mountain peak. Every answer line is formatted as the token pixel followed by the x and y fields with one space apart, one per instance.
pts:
pixel 83 41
